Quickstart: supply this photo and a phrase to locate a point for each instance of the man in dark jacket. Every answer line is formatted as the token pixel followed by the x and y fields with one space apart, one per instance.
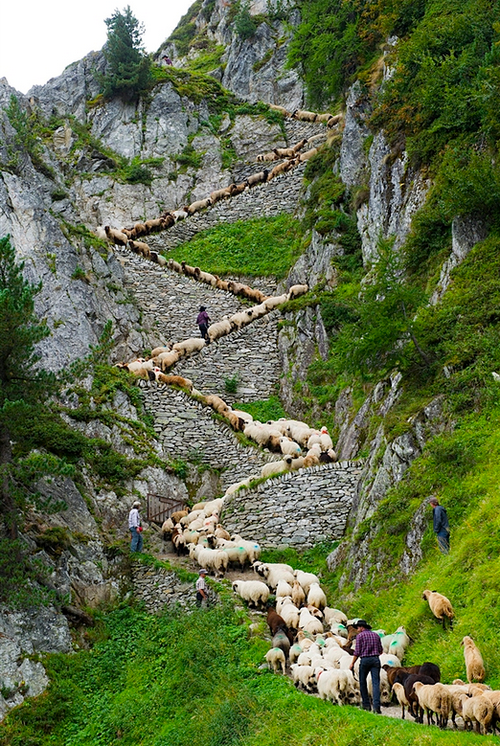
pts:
pixel 441 525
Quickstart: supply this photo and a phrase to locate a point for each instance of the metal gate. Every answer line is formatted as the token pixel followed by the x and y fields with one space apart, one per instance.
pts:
pixel 160 508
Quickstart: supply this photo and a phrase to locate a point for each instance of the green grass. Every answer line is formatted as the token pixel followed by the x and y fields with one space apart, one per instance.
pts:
pixel 163 681
pixel 266 409
pixel 257 247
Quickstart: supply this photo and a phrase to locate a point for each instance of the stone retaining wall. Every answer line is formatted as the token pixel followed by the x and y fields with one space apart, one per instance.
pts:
pixel 263 200
pixel 188 430
pixel 158 587
pixel 169 303
pixel 298 509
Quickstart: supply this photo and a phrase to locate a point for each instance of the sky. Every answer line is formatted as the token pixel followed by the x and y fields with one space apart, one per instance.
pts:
pixel 42 37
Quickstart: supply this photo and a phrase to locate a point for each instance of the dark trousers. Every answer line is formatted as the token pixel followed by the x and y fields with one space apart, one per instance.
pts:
pixel 443 539
pixel 199 598
pixel 370 664
pixel 203 330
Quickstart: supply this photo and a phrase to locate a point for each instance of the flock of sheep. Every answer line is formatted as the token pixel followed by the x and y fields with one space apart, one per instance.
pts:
pixel 292 156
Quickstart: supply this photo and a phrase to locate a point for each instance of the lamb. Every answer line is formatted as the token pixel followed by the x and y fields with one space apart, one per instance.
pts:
pixel 193 344
pixel 297 290
pixel 399 691
pixel 179 214
pixel 275 657
pixel 316 596
pixel 274 301
pixel 433 698
pixel 473 660
pixel 298 463
pixel 276 467
pixel 254 592
pixel 175 266
pixel 117 237
pixel 440 606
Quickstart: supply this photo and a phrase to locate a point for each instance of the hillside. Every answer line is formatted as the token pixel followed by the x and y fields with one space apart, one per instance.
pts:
pixel 389 214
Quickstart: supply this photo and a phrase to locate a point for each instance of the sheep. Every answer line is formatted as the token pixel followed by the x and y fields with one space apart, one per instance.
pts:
pixel 243 415
pixel 440 606
pixel 334 120
pixel 275 657
pixel 308 154
pixel 274 572
pixel 303 677
pixel 328 457
pixel 184 383
pixel 283 589
pixel 220 194
pixel 295 651
pixel 280 109
pixel 174 266
pixel 316 596
pixel 156 224
pixel 200 204
pixel 473 660
pixel 298 463
pixel 477 710
pixel 275 621
pixel 274 301
pixel 304 116
pixel 297 290
pixel 205 277
pixel 188 346
pixel 179 214
pixel 289 447
pixel 332 685
pixel 168 359
pixel 313 439
pixel 257 178
pixel 158 259
pixel 176 517
pixel 399 691
pixel 236 553
pixel 254 592
pixel 290 614
pixel 213 559
pixel 238 188
pixel 252 547
pixel 400 634
pixel 311 458
pixel 213 507
pixel 309 623
pixel 167 528
pixel 305 579
pixel 298 595
pixel 334 616
pixel 276 467
pixel 433 698
pixel 237 486
pixel 114 236
pixel 187 269
pixel 325 440
pixel 219 329
pixel 217 404
pixel 266 157
pixel 410 693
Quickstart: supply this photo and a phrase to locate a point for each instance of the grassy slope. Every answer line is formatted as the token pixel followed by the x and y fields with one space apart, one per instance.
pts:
pixel 174 681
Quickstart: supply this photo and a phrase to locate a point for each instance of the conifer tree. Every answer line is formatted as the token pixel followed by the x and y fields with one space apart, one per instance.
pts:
pixel 129 68
pixel 22 385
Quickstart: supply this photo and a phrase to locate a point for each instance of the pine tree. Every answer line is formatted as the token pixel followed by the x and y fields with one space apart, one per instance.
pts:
pixel 22 385
pixel 129 68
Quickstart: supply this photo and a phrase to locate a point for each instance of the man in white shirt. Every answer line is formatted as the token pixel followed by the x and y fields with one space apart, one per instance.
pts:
pixel 134 524
pixel 201 588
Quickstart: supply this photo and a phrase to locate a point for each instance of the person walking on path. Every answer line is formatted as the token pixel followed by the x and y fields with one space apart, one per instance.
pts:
pixel 201 589
pixel 441 525
pixel 203 320
pixel 134 524
pixel 368 648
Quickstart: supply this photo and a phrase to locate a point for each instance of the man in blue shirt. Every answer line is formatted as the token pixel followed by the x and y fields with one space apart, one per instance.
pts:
pixel 441 525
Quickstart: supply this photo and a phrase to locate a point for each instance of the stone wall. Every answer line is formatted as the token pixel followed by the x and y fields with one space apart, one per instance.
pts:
pixel 158 587
pixel 263 200
pixel 169 303
pixel 298 509
pixel 188 430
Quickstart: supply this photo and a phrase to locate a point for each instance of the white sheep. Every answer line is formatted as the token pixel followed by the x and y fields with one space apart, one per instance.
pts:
pixel 254 592
pixel 273 468
pixel 219 329
pixel 276 658
pixel 334 616
pixel 399 691
pixel 273 572
pixel 252 548
pixel 294 653
pixel 332 685
pixel 478 710
pixel 289 447
pixel 188 346
pixel 304 677
pixel 290 614
pixel 305 579
pixel 309 623
pixel 474 663
pixel 213 559
pixel 283 589
pixel 316 596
